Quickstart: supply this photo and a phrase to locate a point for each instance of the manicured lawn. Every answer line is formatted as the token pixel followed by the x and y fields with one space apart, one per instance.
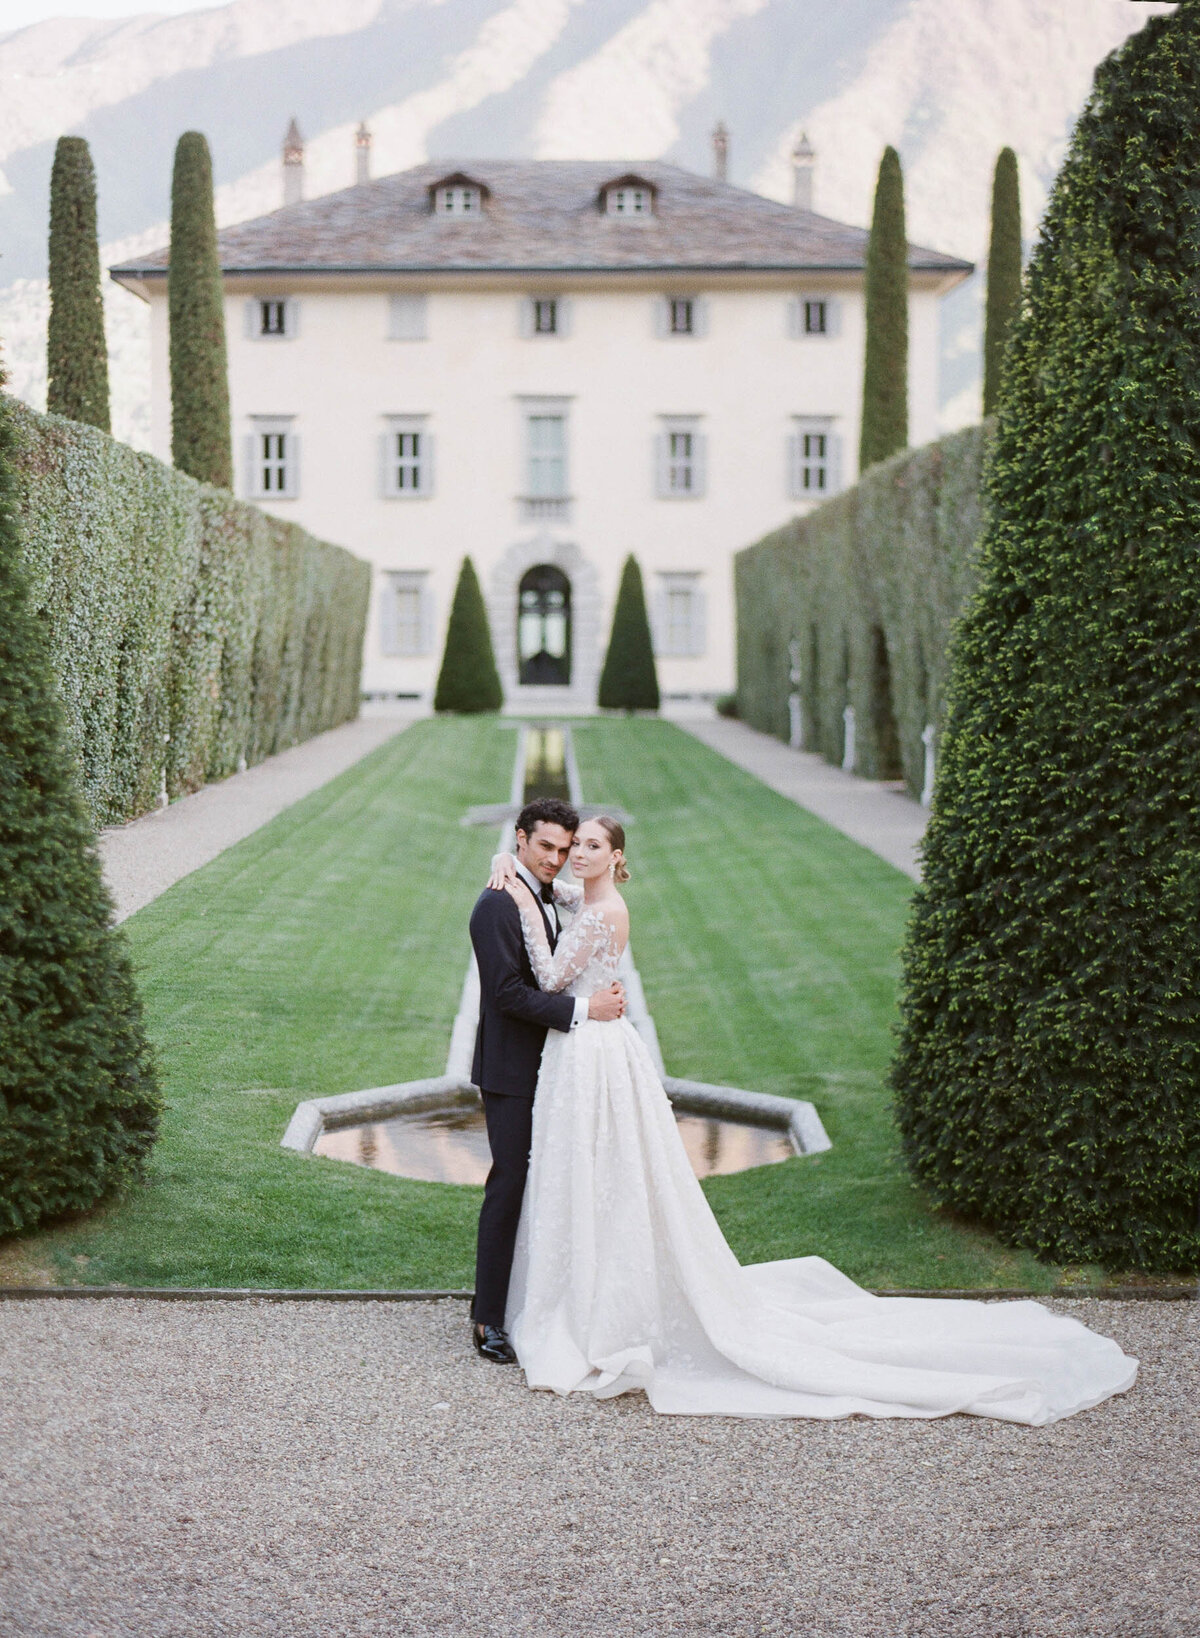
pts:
pixel 326 952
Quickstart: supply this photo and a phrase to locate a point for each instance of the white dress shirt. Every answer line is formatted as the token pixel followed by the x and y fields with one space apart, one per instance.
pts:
pixel 551 912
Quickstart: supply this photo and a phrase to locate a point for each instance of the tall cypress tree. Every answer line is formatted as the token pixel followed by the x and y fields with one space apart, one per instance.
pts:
pixel 629 680
pixel 1048 1071
pixel 1003 275
pixel 76 352
pixel 885 366
pixel 468 681
pixel 201 441
pixel 78 1099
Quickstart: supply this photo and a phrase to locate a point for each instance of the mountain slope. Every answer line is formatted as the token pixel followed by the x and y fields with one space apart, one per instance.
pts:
pixel 948 81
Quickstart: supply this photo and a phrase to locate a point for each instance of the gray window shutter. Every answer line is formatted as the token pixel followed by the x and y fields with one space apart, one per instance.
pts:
pixel 291 318
pixel 427 618
pixel 658 619
pixel 427 453
pixel 564 315
pixel 250 311
pixel 525 317
pixel 292 474
pixel 795 318
pixel 700 315
pixel 250 478
pixel 699 631
pixel 795 456
pixel 833 477
pixel 662 484
pixel 833 316
pixel 699 464
pixel 388 636
pixel 662 315
pixel 387 486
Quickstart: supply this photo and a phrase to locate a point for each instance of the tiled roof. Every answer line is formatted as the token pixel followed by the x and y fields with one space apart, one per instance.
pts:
pixel 542 215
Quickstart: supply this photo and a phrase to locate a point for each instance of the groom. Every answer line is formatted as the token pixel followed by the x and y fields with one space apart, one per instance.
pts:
pixel 514 1016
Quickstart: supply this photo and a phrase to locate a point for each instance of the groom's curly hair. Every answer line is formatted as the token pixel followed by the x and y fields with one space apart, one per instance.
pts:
pixel 547 810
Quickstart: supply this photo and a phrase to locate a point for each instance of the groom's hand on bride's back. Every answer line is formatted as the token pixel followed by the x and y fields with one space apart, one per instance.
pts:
pixel 606 1006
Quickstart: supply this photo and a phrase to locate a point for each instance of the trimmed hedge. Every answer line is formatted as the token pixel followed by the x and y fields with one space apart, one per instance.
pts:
pixel 201 439
pixel 1047 1076
pixel 1003 275
pixel 76 349
pixel 175 610
pixel 468 681
pixel 79 1100
pixel 629 678
pixel 885 358
pixel 868 588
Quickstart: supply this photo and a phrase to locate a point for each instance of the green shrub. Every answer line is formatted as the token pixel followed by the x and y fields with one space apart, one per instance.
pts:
pixel 1048 1073
pixel 1003 275
pixel 726 705
pixel 201 439
pixel 889 561
pixel 468 681
pixel 173 609
pixel 885 363
pixel 629 680
pixel 79 1103
pixel 76 351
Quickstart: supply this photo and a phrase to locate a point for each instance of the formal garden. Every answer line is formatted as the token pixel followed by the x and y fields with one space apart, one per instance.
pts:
pixel 1006 1064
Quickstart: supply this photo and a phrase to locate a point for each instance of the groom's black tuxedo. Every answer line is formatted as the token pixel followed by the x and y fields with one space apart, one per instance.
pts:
pixel 514 1016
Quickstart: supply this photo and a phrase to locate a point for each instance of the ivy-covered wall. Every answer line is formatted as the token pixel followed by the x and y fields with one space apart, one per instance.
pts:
pixel 189 631
pixel 867 588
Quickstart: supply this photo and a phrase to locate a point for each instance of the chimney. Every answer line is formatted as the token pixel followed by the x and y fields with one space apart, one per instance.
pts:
pixel 804 163
pixel 293 165
pixel 362 154
pixel 720 142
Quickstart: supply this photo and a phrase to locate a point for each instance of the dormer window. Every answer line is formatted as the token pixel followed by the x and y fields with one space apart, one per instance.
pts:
pixel 628 202
pixel 630 197
pixel 457 195
pixel 458 201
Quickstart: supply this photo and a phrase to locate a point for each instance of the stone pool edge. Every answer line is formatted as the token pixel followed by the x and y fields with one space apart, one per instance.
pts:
pixel 314 1116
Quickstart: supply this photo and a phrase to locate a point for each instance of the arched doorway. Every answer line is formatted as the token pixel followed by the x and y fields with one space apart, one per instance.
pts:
pixel 544 627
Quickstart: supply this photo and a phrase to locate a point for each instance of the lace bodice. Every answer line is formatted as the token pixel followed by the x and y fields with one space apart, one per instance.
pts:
pixel 588 950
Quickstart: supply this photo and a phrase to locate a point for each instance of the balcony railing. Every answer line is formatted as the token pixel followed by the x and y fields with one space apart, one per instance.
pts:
pixel 544 506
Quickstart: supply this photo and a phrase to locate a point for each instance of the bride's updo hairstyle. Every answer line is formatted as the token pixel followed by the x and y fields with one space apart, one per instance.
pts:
pixel 616 836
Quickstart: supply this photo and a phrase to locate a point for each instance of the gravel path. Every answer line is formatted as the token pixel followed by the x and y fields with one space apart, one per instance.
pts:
pixel 303 1470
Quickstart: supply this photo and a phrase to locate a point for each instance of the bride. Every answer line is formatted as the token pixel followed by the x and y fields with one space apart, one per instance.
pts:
pixel 622 1279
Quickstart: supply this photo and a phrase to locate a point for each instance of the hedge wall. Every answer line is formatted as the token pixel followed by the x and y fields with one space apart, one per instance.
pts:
pixel 869 587
pixel 175 610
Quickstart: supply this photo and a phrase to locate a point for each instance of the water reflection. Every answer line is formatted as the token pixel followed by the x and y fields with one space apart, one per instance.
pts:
pixel 450 1145
pixel 546 764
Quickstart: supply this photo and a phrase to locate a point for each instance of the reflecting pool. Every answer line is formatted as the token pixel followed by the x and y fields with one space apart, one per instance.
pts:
pixel 450 1145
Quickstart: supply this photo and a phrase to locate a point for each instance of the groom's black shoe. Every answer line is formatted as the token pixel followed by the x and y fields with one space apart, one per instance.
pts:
pixel 492 1343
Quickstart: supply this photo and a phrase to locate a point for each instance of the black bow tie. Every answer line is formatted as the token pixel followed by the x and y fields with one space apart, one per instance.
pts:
pixel 547 894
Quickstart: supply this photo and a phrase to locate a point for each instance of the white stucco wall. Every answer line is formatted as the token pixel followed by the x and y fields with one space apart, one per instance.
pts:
pixel 745 377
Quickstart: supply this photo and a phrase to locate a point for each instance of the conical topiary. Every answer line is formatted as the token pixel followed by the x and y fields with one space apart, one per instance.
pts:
pixel 201 441
pixel 885 364
pixel 1048 1071
pixel 78 1100
pixel 468 681
pixel 1003 275
pixel 629 681
pixel 76 351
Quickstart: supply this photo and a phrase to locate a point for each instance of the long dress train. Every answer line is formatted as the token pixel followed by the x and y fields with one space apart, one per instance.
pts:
pixel 622 1279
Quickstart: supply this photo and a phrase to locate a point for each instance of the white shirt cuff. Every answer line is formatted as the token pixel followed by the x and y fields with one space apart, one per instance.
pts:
pixel 581 1005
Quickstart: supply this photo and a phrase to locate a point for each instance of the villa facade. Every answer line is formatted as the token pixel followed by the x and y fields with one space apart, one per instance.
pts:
pixel 547 366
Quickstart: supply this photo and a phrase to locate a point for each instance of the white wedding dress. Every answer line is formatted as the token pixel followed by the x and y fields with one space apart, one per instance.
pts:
pixel 622 1279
